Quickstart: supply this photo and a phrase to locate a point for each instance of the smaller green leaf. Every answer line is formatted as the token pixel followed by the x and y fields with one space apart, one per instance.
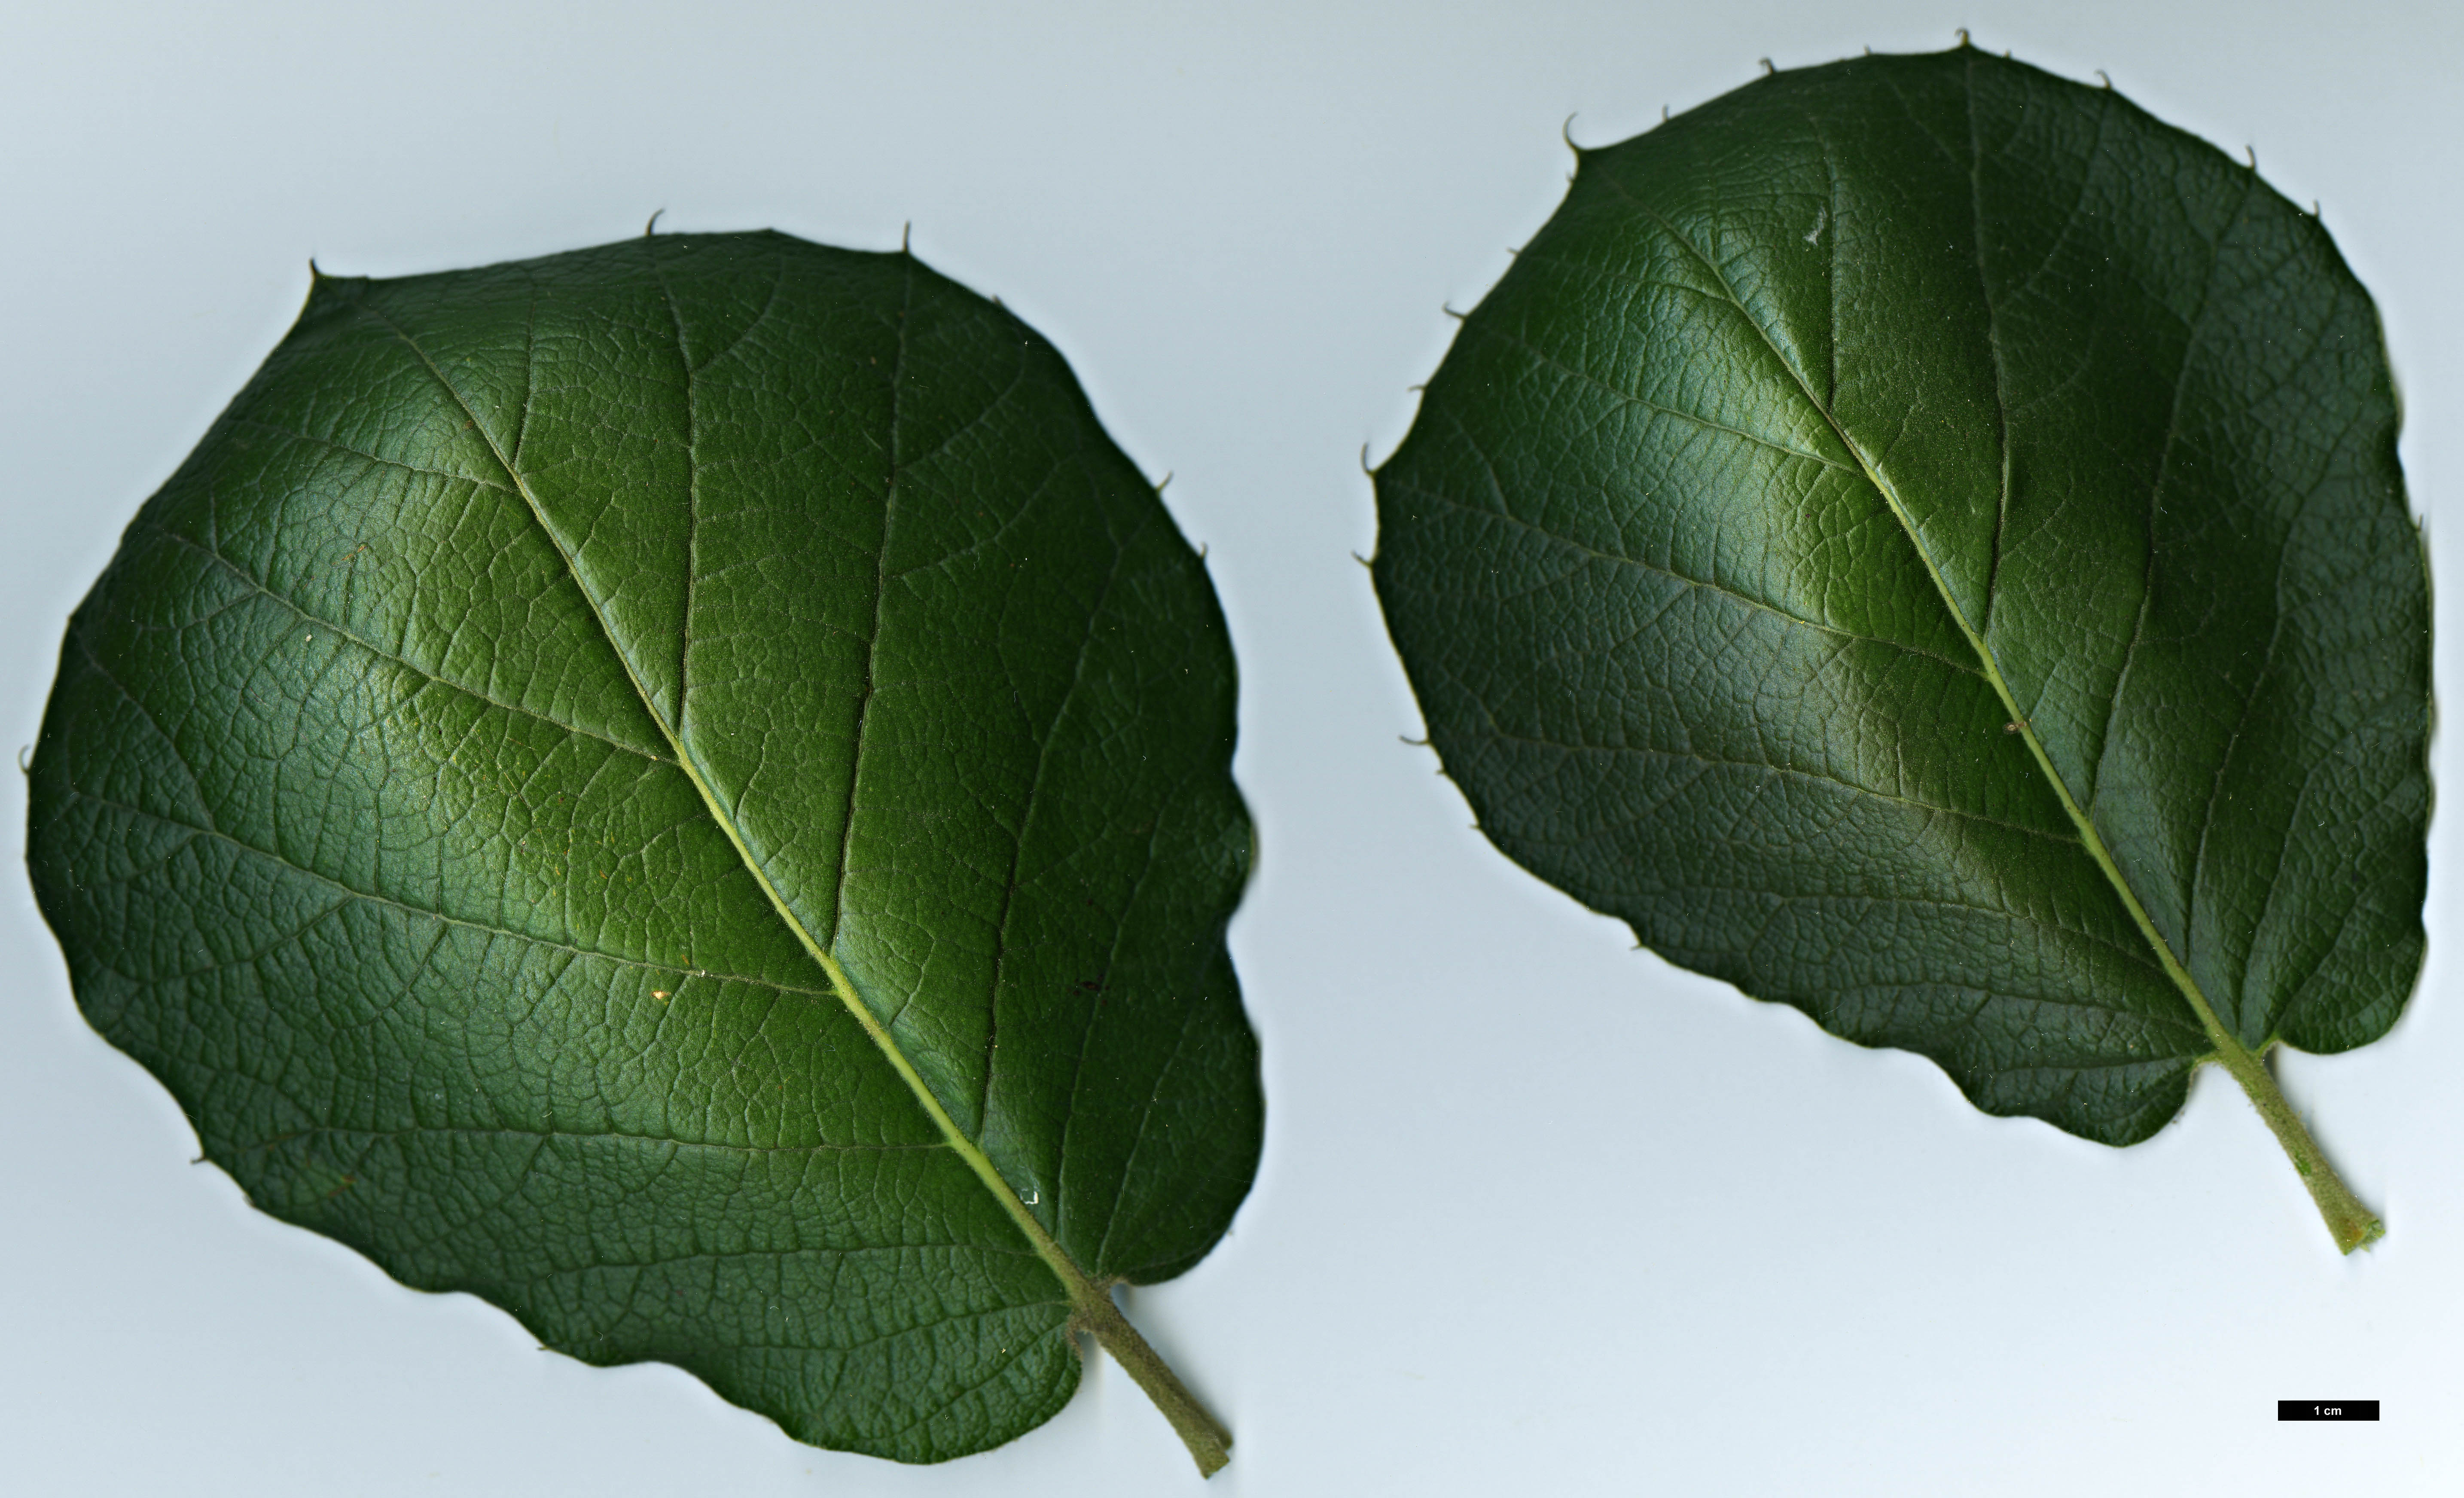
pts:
pixel 682 788
pixel 1922 540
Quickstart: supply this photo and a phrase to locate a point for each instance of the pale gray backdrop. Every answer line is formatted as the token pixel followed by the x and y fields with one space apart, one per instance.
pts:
pixel 1538 1214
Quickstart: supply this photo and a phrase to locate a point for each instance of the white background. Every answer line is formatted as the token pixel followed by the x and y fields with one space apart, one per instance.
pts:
pixel 1538 1213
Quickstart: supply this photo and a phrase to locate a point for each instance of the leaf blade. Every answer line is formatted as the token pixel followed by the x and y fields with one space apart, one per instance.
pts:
pixel 486 815
pixel 1881 244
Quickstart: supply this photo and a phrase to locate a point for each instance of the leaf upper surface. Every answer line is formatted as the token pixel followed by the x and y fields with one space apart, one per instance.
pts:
pixel 1922 540
pixel 460 788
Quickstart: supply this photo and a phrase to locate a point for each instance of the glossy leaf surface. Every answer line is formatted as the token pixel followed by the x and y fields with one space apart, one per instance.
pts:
pixel 682 788
pixel 1922 540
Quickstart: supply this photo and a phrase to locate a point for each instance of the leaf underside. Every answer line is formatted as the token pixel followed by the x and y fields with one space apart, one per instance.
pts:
pixel 1861 465
pixel 456 784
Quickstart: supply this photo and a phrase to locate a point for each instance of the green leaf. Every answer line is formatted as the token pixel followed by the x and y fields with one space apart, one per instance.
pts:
pixel 682 788
pixel 1921 541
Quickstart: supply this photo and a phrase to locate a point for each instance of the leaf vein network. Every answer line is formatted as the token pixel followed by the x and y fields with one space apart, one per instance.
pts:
pixel 507 932
pixel 344 632
pixel 1619 558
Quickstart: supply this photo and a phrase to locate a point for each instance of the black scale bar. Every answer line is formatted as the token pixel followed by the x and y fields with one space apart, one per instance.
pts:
pixel 2326 1409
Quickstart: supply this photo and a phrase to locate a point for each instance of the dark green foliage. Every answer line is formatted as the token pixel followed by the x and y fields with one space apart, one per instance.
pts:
pixel 485 759
pixel 1896 516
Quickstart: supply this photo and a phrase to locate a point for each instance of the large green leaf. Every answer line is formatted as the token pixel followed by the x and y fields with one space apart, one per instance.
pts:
pixel 1921 541
pixel 682 788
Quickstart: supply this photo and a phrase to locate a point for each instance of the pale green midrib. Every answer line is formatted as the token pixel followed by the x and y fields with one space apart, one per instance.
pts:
pixel 1082 1290
pixel 2235 1057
